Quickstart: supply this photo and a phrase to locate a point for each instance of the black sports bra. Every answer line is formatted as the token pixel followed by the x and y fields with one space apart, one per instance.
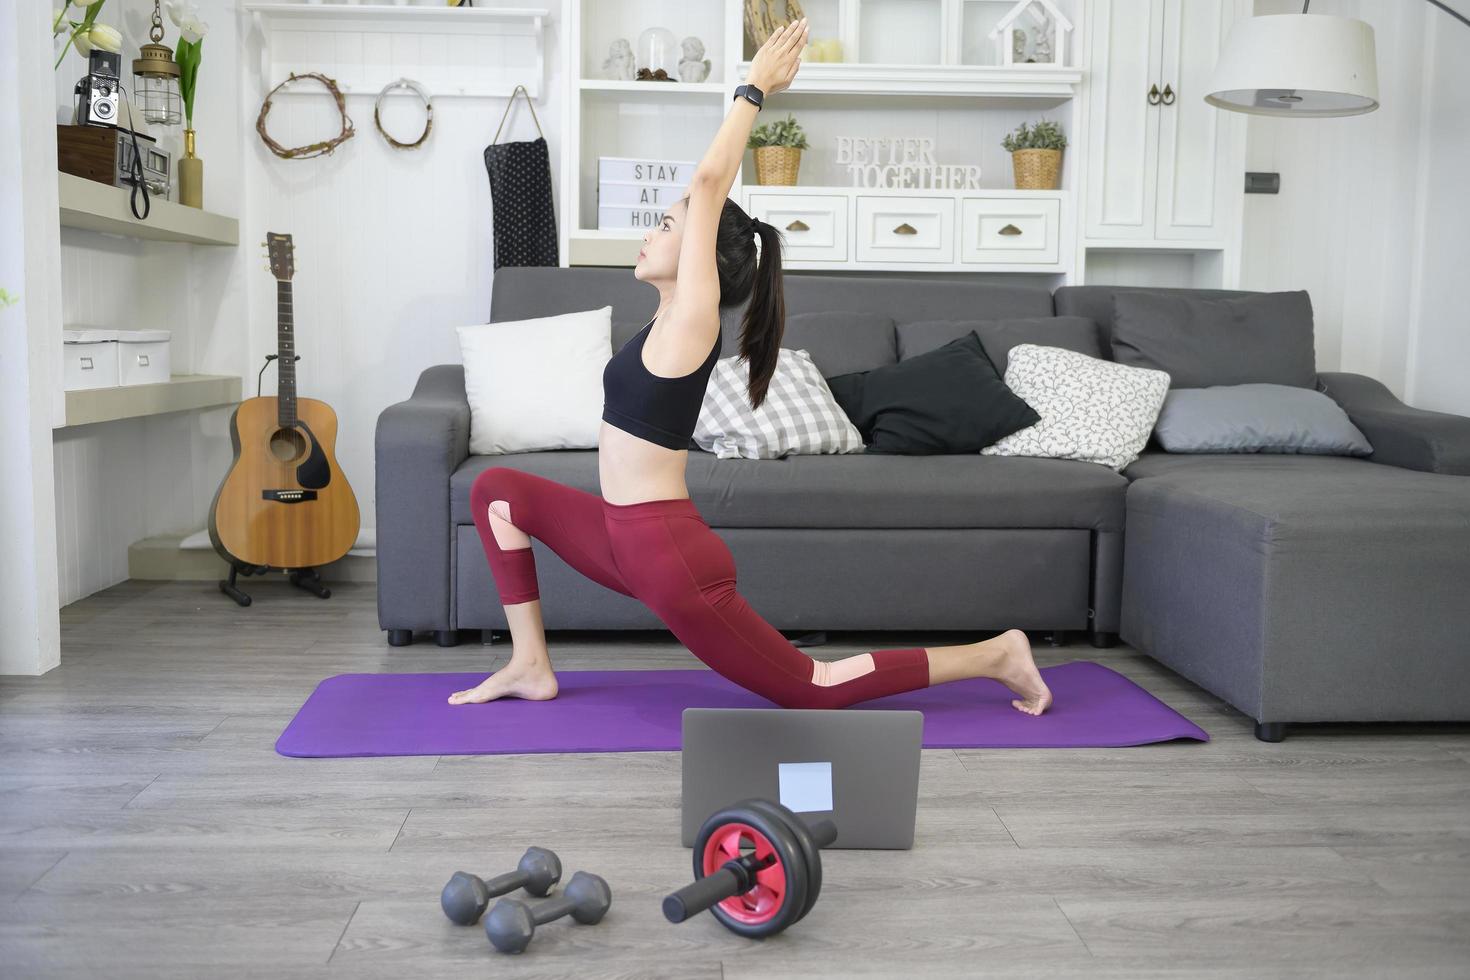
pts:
pixel 661 410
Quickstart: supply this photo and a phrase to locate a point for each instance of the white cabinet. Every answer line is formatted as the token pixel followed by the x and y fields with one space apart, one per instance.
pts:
pixel 1010 230
pixel 1162 164
pixel 813 226
pixel 905 229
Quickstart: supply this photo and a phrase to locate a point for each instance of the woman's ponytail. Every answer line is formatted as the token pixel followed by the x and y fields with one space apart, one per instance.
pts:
pixel 765 316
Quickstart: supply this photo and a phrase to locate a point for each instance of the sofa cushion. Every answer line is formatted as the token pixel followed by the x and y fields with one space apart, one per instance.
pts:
pixel 839 341
pixel 947 400
pixel 797 415
pixel 1075 333
pixel 1264 338
pixel 536 383
pixel 858 490
pixel 1155 462
pixel 1097 302
pixel 1091 409
pixel 1256 418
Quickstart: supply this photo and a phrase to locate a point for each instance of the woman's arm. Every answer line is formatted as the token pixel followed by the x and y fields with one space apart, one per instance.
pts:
pixel 771 71
pixel 698 286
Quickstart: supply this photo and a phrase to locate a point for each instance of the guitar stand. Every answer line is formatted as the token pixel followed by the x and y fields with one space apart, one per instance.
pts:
pixel 309 579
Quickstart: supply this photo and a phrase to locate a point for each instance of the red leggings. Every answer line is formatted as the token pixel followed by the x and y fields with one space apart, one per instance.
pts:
pixel 662 553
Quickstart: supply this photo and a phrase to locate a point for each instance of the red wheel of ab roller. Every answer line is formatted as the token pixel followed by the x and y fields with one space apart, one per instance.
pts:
pixel 757 868
pixel 760 905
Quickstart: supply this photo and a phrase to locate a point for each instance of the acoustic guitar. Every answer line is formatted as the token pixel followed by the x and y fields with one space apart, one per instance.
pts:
pixel 284 502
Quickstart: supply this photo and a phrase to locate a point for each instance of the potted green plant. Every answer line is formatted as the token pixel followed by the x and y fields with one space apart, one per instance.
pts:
pixel 778 145
pixel 1036 155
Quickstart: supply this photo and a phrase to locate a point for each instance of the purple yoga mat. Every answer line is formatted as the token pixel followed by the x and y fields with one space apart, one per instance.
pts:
pixel 640 711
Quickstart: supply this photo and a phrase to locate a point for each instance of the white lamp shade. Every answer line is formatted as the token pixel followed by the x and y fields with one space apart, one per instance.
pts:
pixel 1297 65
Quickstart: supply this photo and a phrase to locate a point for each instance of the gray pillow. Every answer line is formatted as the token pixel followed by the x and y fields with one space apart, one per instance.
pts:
pixel 1265 338
pixel 1074 333
pixel 1256 418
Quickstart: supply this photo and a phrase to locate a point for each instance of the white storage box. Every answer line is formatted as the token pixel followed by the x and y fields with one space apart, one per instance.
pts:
pixel 142 357
pixel 91 358
pixel 634 192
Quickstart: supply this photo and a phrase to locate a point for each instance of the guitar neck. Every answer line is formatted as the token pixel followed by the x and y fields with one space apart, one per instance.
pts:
pixel 286 355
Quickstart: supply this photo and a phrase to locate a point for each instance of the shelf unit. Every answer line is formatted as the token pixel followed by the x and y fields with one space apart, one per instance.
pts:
pixel 95 206
pixel 452 51
pixel 945 78
pixel 180 393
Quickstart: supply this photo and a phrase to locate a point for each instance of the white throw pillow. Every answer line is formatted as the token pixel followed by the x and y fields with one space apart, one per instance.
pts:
pixel 798 415
pixel 536 384
pixel 1093 410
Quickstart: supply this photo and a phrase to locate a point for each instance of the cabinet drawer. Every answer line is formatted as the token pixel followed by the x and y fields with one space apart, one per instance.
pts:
pixel 813 226
pixel 1007 229
pixel 905 229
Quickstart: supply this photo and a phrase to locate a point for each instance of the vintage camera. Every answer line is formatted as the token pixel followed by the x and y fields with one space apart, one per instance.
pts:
pixel 98 105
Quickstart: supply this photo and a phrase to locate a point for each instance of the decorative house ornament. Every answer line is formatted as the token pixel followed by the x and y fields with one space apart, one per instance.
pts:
pixel 618 65
pixel 694 66
pixel 1039 38
pixel 902 161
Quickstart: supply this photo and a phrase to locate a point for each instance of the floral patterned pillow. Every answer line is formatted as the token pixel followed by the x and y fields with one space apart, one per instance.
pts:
pixel 1093 410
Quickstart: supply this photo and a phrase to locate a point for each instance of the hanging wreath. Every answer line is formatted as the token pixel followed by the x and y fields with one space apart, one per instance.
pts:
pixel 311 149
pixel 423 94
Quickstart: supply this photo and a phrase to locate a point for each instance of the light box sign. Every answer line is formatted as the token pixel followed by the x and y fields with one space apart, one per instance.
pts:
pixel 634 192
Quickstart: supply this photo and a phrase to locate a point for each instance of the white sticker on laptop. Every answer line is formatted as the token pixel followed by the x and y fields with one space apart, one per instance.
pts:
pixel 806 786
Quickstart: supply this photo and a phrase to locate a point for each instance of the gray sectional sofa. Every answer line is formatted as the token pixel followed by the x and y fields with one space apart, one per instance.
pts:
pixel 1296 588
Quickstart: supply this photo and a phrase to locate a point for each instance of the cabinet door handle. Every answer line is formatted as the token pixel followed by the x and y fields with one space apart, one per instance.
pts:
pixel 905 229
pixel 798 225
pixel 1009 230
pixel 1153 94
pixel 1168 98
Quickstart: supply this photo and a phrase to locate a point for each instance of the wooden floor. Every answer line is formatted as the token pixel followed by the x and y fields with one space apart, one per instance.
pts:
pixel 149 829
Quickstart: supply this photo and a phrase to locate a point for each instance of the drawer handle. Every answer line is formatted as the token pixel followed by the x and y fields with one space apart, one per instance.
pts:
pixel 86 364
pixel 1168 96
pixel 905 229
pixel 142 360
pixel 1153 94
pixel 1009 230
pixel 798 225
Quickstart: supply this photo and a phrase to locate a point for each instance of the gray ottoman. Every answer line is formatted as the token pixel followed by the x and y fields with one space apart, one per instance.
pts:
pixel 1302 588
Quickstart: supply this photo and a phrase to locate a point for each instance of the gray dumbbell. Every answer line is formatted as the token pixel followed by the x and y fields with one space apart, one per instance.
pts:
pixel 465 896
pixel 511 924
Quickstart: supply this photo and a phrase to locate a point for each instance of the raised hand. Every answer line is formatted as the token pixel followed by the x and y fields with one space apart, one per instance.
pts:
pixel 776 63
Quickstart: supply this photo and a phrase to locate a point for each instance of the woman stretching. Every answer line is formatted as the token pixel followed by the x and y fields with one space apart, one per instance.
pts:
pixel 643 536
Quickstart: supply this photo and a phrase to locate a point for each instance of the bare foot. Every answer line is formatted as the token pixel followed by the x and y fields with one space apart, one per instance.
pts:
pixel 535 682
pixel 1018 672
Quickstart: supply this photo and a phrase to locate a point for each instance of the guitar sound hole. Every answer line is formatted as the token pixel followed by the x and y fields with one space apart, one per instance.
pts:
pixel 287 445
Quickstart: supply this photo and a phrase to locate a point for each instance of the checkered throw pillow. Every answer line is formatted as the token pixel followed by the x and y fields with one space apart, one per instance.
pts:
pixel 799 414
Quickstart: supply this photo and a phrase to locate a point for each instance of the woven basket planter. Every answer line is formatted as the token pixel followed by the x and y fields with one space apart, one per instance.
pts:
pixel 777 164
pixel 1036 170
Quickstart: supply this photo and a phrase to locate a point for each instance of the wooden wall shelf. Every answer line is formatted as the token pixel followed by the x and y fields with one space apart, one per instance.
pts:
pixel 181 393
pixel 96 206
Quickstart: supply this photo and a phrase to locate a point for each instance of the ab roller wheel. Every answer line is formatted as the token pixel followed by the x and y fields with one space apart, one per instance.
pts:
pixel 757 868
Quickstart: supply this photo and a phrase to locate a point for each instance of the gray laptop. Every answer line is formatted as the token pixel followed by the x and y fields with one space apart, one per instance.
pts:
pixel 859 768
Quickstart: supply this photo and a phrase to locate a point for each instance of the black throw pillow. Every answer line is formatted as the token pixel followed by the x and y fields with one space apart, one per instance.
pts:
pixel 948 400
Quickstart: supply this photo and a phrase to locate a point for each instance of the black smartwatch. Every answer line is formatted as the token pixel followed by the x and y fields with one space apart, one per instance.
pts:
pixel 752 94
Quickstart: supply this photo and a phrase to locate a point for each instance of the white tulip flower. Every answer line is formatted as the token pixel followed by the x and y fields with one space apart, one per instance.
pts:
pixel 193 29
pixel 101 37
pixel 180 11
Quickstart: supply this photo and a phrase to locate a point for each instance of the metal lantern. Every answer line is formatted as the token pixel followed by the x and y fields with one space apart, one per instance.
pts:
pixel 156 78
